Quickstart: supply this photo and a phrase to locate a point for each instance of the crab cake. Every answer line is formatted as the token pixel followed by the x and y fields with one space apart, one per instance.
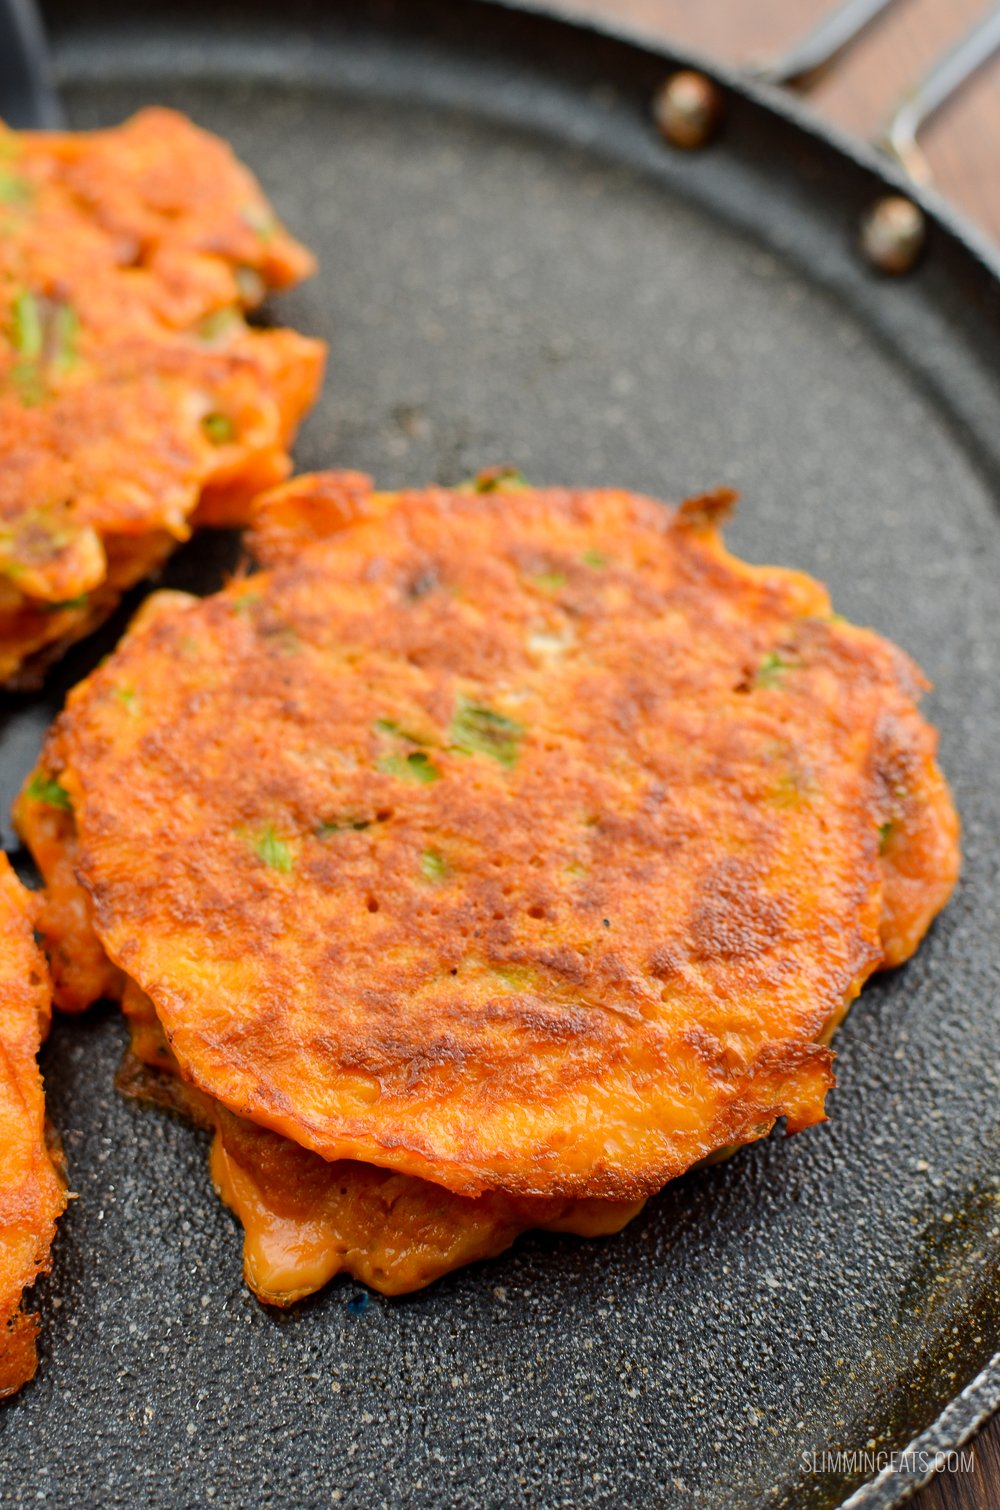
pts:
pixel 518 840
pixel 135 401
pixel 306 1220
pixel 31 1190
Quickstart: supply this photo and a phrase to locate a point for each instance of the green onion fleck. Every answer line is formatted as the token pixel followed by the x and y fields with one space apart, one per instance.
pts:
pixel 549 581
pixel 219 428
pixel 594 559
pixel 433 866
pixel 260 221
pixel 218 324
pixel 46 789
pixel 885 833
pixel 27 331
pixel 396 731
pixel 43 333
pixel 496 480
pixel 273 851
pixel 770 670
pixel 328 826
pixel 67 603
pixel 413 767
pixel 14 189
pixel 477 730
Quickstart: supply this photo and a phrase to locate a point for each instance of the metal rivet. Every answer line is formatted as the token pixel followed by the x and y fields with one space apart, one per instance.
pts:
pixel 687 109
pixel 893 233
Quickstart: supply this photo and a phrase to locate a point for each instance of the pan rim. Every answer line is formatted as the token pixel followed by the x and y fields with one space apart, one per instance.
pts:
pixel 794 109
pixel 972 1406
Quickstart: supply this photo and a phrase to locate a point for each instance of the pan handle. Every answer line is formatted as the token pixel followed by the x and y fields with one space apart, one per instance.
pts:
pixel 809 60
pixel 28 97
pixel 939 85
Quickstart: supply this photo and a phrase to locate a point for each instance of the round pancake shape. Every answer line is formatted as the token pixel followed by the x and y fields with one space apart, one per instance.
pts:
pixel 514 839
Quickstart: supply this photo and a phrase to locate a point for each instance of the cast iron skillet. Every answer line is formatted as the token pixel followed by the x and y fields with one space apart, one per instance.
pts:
pixel 516 268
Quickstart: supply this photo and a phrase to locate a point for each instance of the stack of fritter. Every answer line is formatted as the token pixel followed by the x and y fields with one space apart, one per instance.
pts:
pixel 484 862
pixel 31 1188
pixel 135 402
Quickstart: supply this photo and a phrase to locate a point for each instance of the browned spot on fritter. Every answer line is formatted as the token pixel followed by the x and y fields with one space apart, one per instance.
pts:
pixel 733 916
pixel 545 879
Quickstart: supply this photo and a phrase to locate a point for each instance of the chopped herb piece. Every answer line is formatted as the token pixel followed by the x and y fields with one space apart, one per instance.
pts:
pixel 341 825
pixel 391 727
pixel 575 868
pixel 885 833
pixel 219 428
pixel 494 480
pixel 549 581
pixel 14 189
pixel 41 332
pixel 433 866
pixel 770 670
pixel 42 788
pixel 413 767
pixel 476 730
pixel 250 285
pixel 67 603
pixel 246 601
pixel 273 851
pixel 594 559
pixel 125 695
pixel 27 332
pixel 260 221
pixel 219 323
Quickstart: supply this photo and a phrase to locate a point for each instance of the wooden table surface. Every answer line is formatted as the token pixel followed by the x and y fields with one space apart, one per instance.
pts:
pixel 963 147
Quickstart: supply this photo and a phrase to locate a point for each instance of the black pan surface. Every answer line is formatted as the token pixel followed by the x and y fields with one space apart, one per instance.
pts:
pixel 516 269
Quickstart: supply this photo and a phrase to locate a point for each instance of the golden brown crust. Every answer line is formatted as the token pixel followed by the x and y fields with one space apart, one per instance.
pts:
pixel 306 1220
pixel 521 841
pixel 31 1190
pixel 132 392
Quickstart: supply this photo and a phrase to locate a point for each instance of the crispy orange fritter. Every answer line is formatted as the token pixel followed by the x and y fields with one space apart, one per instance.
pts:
pixel 31 1190
pixel 306 1220
pixel 516 840
pixel 134 399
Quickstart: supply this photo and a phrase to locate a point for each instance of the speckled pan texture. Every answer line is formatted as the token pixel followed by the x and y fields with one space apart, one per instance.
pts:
pixel 515 269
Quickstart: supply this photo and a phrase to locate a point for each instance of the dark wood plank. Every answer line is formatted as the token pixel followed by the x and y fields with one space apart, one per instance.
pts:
pixel 963 146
